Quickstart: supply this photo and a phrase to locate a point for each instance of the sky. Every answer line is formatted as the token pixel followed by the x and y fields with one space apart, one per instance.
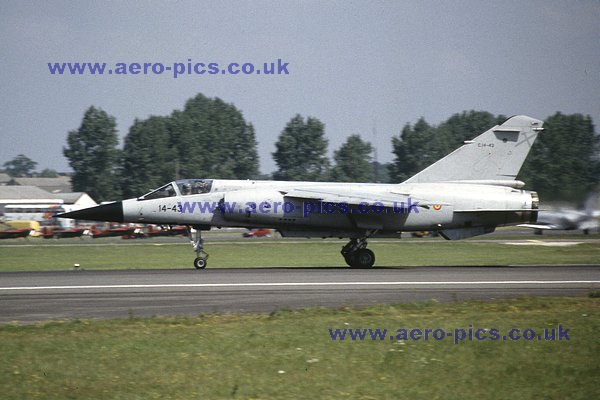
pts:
pixel 365 67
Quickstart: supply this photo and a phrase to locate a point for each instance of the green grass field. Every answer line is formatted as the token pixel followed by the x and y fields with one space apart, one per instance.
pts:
pixel 40 254
pixel 290 354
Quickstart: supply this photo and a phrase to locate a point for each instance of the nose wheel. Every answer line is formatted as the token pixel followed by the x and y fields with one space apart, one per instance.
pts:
pixel 200 262
pixel 195 235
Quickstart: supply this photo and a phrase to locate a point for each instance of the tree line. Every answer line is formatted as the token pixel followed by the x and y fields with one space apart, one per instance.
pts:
pixel 210 138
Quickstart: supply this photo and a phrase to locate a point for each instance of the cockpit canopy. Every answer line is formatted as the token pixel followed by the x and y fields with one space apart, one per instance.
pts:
pixel 193 186
pixel 182 187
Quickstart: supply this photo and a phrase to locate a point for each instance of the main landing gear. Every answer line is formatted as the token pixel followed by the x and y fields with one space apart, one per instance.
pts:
pixel 356 253
pixel 198 244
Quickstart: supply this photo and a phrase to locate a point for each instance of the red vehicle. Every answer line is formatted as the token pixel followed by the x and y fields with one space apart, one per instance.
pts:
pixel 111 232
pixel 262 232
pixel 48 233
pixel 153 231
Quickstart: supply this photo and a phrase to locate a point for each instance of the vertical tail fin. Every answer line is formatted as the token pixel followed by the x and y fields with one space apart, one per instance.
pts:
pixel 495 155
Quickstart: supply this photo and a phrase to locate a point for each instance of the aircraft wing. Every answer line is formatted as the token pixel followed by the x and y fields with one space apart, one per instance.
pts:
pixel 355 198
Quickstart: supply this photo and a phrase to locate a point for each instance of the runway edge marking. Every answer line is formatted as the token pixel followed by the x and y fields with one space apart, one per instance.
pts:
pixel 285 284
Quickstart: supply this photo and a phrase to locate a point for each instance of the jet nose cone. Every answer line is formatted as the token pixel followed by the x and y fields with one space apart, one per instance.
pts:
pixel 112 212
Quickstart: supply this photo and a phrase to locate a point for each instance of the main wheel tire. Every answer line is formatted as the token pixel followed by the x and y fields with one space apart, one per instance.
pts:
pixel 349 258
pixel 200 263
pixel 363 258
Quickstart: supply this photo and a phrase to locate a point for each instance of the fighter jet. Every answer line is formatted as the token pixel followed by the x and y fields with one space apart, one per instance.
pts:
pixel 568 219
pixel 469 192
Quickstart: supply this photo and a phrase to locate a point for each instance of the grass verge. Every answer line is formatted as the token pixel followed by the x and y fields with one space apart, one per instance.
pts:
pixel 290 354
pixel 119 254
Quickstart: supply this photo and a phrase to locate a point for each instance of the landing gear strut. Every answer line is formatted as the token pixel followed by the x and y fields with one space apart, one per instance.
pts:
pixel 356 253
pixel 198 244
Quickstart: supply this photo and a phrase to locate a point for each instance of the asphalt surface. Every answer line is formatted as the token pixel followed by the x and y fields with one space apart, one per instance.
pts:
pixel 38 296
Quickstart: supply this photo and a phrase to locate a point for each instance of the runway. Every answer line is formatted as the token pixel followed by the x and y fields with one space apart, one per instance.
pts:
pixel 39 296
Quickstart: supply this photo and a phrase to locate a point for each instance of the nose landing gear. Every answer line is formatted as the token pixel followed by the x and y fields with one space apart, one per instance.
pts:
pixel 198 245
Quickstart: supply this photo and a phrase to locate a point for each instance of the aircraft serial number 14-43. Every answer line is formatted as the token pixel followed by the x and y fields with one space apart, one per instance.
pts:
pixel 469 192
